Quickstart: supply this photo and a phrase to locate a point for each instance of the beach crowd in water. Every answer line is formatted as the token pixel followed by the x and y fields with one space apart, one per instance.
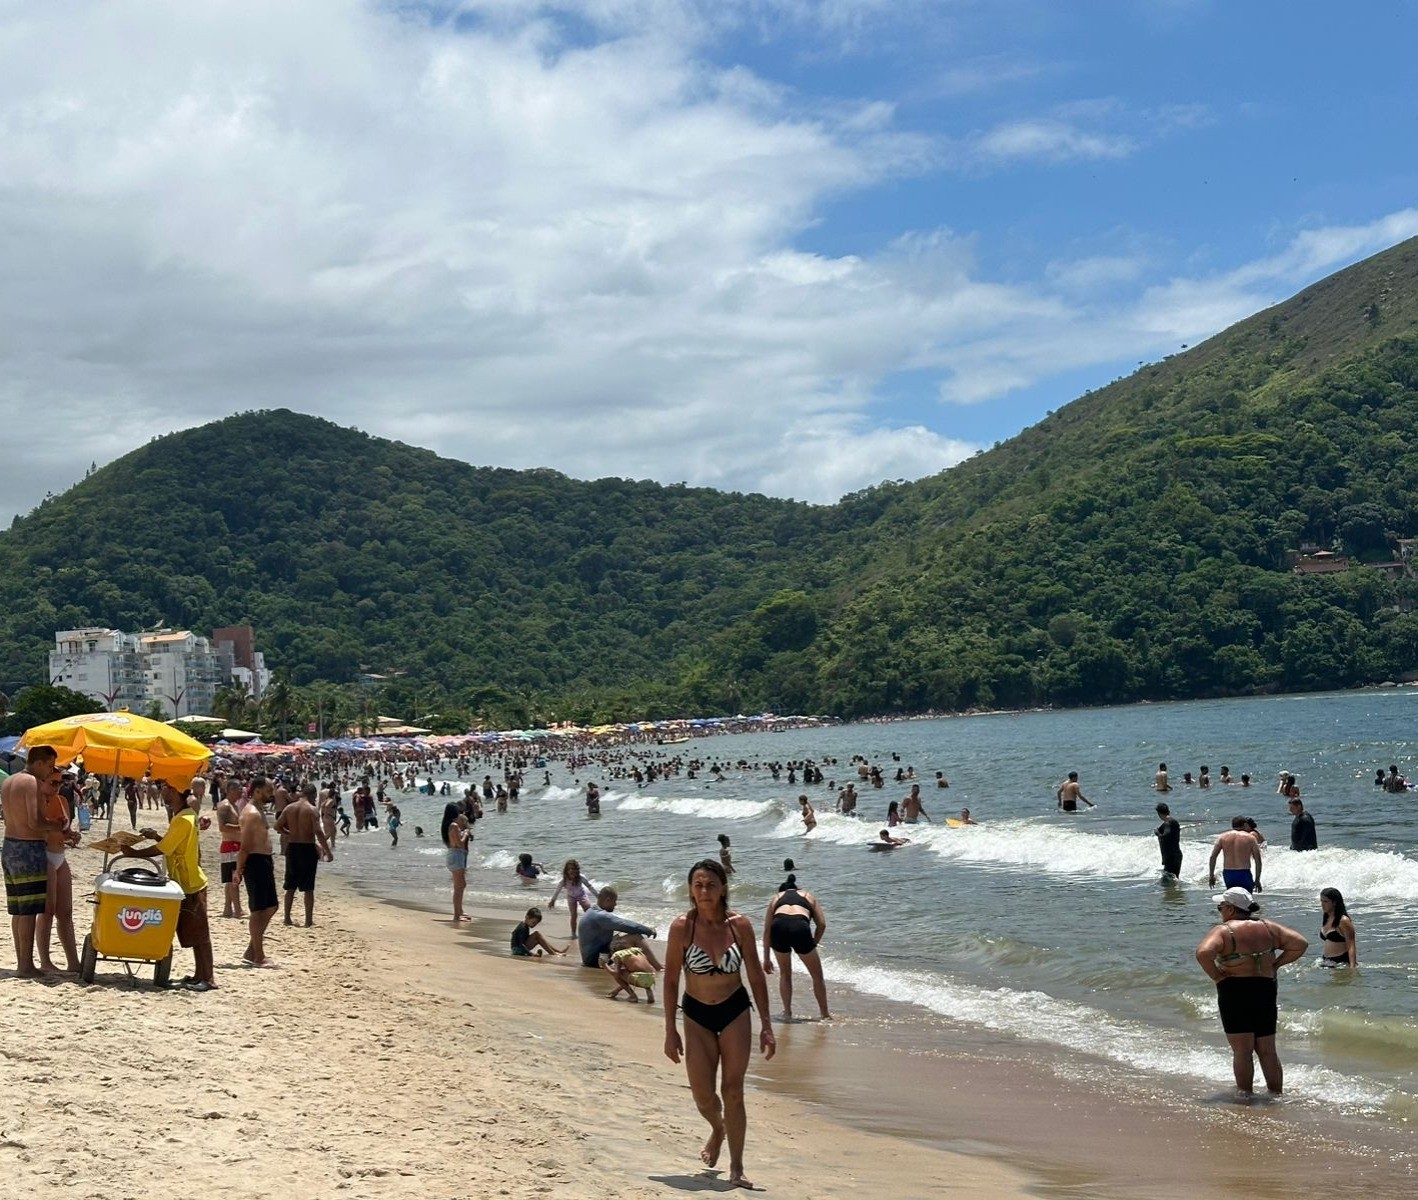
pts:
pixel 714 968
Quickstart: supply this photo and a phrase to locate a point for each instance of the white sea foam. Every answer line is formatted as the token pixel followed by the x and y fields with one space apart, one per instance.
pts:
pixel 1039 1017
pixel 562 793
pixel 1378 875
pixel 713 808
pixel 500 860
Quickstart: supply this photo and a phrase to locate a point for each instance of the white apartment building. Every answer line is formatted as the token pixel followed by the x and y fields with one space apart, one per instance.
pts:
pixel 178 670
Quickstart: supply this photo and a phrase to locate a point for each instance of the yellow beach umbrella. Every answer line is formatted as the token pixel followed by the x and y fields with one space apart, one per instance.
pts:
pixel 122 743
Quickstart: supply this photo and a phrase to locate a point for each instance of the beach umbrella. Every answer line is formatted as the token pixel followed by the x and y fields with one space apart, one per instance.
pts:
pixel 122 743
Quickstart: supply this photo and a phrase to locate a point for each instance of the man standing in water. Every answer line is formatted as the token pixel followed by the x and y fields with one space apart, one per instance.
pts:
pixel 912 810
pixel 1070 793
pixel 1169 838
pixel 1302 827
pixel 1241 956
pixel 1239 852
pixel 299 826
pixel 1159 782
pixel 256 866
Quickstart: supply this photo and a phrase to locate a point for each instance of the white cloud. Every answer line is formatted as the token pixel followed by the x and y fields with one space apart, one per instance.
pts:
pixel 508 245
pixel 1049 140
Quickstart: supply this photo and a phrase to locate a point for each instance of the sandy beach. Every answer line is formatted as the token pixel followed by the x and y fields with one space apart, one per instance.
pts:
pixel 392 1055
pixel 387 1058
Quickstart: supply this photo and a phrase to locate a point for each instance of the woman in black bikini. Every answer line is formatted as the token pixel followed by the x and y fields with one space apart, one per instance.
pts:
pixel 1341 946
pixel 713 946
pixel 794 924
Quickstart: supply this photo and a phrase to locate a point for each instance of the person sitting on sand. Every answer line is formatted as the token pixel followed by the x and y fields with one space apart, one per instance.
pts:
pixel 527 942
pixel 527 870
pixel 600 925
pixel 630 969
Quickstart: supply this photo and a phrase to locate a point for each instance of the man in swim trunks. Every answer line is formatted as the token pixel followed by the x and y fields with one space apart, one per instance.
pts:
pixel 1159 781
pixel 299 827
pixel 256 868
pixel 25 866
pixel 1070 793
pixel 1241 956
pixel 228 818
pixel 912 810
pixel 1239 852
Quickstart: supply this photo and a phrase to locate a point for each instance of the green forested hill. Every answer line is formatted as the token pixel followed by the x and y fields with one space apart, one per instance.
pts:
pixel 348 552
pixel 1134 544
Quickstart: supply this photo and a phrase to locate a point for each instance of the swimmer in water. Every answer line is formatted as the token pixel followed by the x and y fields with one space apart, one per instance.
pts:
pixel 1070 793
pixel 887 842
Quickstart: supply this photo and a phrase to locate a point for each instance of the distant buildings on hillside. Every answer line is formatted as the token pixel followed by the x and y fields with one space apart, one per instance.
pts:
pixel 1313 559
pixel 178 669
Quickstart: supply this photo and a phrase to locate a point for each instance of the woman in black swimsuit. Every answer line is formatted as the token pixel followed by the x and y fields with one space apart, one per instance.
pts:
pixel 794 924
pixel 1341 946
pixel 712 946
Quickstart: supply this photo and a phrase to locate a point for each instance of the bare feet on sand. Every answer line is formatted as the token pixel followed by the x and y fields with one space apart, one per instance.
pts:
pixel 739 1180
pixel 709 1156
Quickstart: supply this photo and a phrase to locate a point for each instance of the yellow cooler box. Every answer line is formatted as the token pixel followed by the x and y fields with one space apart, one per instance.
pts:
pixel 135 918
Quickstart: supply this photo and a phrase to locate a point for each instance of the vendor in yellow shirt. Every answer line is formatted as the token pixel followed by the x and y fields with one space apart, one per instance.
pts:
pixel 179 847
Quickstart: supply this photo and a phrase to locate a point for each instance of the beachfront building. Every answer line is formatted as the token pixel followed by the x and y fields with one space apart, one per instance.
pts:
pixel 243 663
pixel 178 670
pixel 105 664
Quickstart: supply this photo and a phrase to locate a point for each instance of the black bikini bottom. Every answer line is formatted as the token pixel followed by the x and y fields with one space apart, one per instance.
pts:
pixel 716 1017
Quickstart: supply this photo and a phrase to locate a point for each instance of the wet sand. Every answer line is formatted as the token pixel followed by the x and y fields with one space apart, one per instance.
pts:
pixel 392 1055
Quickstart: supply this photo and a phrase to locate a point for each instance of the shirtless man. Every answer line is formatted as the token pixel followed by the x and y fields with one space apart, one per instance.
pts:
pixel 25 865
pixel 299 826
pixel 256 867
pixel 1070 793
pixel 228 823
pixel 282 799
pixel 847 801
pixel 1159 781
pixel 328 817
pixel 912 810
pixel 1239 851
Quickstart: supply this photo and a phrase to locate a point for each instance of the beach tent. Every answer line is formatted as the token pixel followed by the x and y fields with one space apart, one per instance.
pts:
pixel 196 719
pixel 240 735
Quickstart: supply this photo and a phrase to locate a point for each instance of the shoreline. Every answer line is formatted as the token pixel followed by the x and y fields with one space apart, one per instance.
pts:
pixel 392 1055
pixel 1057 1136
pixel 382 1059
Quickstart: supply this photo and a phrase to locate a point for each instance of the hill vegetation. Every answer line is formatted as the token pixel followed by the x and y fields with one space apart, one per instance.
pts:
pixel 1135 544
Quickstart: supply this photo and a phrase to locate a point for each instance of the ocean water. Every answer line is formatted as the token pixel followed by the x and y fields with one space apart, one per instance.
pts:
pixel 1038 934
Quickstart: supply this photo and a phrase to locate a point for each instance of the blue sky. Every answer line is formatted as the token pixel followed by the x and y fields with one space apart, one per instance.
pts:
pixel 765 245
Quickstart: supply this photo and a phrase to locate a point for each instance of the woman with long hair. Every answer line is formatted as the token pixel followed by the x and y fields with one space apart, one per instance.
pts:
pixel 712 946
pixel 1341 945
pixel 456 836
pixel 794 924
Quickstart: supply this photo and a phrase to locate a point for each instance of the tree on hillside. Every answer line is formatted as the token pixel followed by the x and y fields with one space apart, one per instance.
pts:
pixel 47 702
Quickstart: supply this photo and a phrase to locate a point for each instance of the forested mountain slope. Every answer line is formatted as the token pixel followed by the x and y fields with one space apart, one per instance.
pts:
pixel 1135 544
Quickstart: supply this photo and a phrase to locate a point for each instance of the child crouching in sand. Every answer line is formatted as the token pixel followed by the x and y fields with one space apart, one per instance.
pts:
pixel 630 969
pixel 526 942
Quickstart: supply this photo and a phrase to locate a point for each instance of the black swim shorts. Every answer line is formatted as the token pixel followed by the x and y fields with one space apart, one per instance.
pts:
pixel 260 879
pixel 1248 1005
pixel 301 861
pixel 791 932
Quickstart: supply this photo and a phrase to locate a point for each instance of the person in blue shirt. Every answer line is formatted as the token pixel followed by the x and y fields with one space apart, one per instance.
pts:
pixel 599 924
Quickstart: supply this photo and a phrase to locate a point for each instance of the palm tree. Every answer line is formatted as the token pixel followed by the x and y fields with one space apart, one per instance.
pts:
pixel 279 702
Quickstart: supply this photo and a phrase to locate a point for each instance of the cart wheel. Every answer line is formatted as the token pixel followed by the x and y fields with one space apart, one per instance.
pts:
pixel 89 960
pixel 162 971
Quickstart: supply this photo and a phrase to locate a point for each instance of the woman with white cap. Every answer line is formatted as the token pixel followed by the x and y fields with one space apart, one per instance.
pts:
pixel 1241 955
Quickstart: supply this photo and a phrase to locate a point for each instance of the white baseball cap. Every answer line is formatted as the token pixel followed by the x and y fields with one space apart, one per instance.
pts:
pixel 1238 898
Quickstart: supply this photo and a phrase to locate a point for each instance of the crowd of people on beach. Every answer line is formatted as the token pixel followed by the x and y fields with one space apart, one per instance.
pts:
pixel 714 967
